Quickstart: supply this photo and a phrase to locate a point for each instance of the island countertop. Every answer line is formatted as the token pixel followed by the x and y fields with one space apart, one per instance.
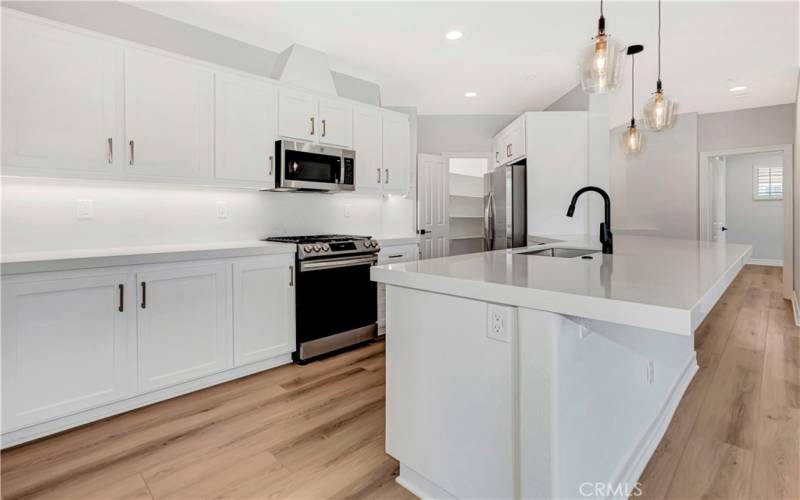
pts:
pixel 658 283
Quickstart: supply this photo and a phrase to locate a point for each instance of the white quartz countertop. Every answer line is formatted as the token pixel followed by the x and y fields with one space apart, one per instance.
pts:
pixel 658 283
pixel 59 260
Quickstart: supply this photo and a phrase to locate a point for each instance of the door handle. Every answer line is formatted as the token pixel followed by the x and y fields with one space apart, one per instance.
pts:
pixel 724 228
pixel 110 150
pixel 271 164
pixel 422 231
pixel 121 298
pixel 132 145
pixel 144 295
pixel 324 128
pixel 312 125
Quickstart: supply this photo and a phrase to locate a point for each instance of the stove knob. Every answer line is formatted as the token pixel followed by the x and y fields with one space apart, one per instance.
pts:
pixel 373 243
pixel 326 248
pixel 316 248
pixel 307 248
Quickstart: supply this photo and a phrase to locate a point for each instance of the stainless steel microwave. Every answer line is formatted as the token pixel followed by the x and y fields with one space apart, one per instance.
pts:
pixel 303 166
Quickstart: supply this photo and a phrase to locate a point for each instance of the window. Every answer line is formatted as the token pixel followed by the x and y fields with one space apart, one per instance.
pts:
pixel 767 183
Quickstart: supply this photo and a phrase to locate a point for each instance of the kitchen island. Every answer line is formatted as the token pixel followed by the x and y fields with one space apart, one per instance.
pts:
pixel 511 375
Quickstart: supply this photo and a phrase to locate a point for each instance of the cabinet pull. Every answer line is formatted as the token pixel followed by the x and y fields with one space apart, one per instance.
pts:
pixel 379 175
pixel 511 150
pixel 271 165
pixel 324 128
pixel 110 150
pixel 396 256
pixel 131 144
pixel 291 275
pixel 121 298
pixel 508 150
pixel 386 177
pixel 144 295
pixel 312 125
pixel 496 156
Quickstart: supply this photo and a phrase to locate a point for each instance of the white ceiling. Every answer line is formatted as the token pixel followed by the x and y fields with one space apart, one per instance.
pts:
pixel 522 56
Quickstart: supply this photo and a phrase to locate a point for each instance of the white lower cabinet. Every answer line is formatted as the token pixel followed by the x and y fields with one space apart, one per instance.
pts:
pixel 263 305
pixel 183 327
pixel 392 254
pixel 68 345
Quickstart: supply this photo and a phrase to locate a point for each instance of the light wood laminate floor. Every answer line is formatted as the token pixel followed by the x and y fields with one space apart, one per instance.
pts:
pixel 317 431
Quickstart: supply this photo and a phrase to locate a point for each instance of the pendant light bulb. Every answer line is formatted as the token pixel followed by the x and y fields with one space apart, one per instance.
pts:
pixel 601 61
pixel 632 137
pixel 659 110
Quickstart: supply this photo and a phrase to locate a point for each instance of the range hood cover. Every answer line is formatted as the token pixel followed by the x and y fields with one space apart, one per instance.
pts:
pixel 304 67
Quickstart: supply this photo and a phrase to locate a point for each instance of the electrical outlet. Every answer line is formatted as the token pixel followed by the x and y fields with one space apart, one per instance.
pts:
pixel 348 210
pixel 85 209
pixel 500 322
pixel 222 210
pixel 651 372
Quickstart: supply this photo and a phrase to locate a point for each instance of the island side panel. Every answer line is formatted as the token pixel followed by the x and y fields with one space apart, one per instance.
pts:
pixel 450 395
pixel 614 389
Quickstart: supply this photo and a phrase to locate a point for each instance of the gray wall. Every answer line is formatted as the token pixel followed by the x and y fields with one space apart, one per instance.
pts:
pixel 757 223
pixel 459 133
pixel 574 100
pixel 767 126
pixel 655 192
pixel 130 23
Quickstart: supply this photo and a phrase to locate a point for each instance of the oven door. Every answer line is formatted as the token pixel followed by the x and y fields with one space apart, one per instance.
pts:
pixel 311 166
pixel 335 297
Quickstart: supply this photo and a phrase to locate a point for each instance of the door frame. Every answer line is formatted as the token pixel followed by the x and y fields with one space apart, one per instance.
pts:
pixel 706 196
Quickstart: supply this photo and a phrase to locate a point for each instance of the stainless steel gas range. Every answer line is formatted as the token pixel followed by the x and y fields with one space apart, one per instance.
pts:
pixel 336 303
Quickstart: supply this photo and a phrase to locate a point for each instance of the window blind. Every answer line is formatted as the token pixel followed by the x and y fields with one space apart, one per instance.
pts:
pixel 767 183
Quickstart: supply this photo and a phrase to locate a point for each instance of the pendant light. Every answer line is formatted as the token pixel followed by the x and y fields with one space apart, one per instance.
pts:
pixel 632 138
pixel 659 111
pixel 601 61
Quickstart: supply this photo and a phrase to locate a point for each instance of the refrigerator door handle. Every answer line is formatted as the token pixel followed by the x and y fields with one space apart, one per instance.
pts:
pixel 488 222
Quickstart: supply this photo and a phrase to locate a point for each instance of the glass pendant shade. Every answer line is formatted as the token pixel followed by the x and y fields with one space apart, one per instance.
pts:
pixel 601 65
pixel 659 112
pixel 633 140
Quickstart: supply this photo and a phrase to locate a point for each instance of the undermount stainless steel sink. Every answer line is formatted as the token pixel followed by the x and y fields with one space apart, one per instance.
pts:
pixel 566 253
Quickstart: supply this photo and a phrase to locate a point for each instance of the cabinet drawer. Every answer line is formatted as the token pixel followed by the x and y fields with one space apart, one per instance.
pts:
pixel 400 253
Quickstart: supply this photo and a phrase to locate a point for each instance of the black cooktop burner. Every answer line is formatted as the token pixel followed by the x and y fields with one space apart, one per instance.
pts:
pixel 320 238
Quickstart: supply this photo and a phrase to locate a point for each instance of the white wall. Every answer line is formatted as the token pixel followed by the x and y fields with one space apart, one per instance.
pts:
pixel 459 133
pixel 655 192
pixel 758 223
pixel 39 215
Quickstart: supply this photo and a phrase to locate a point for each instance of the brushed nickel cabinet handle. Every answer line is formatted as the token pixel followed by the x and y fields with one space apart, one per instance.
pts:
pixel 496 156
pixel 379 175
pixel 110 150
pixel 312 125
pixel 386 177
pixel 121 307
pixel 132 145
pixel 291 275
pixel 271 164
pixel 324 128
pixel 511 150
pixel 508 150
pixel 144 295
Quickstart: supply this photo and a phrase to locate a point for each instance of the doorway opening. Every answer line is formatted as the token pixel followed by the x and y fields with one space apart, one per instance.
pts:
pixel 745 197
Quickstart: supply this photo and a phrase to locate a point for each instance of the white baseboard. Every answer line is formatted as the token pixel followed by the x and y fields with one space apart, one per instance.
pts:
pixel 632 467
pixel 795 309
pixel 766 262
pixel 19 436
pixel 419 485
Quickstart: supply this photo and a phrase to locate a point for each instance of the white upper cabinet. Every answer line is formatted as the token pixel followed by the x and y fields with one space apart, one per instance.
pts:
pixel 67 345
pixel 367 145
pixel 62 101
pixel 509 145
pixel 263 308
pixel 183 328
pixel 168 111
pixel 396 152
pixel 246 128
pixel 336 123
pixel 297 115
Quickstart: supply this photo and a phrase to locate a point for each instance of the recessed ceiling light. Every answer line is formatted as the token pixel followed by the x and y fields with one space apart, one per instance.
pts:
pixel 470 94
pixel 454 35
pixel 738 88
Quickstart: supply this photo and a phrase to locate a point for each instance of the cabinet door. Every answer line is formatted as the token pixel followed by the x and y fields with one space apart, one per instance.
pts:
pixel 67 346
pixel 246 128
pixel 263 308
pixel 167 116
pixel 183 331
pixel 516 141
pixel 62 101
pixel 336 123
pixel 367 145
pixel 297 115
pixel 396 152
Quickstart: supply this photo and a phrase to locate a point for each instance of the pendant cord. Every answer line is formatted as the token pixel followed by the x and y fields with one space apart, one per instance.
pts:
pixel 601 8
pixel 633 86
pixel 659 42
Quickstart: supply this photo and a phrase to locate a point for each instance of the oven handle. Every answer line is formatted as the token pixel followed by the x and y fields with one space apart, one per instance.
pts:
pixel 334 263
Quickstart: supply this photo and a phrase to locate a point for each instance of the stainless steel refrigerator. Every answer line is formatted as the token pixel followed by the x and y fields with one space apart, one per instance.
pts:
pixel 504 208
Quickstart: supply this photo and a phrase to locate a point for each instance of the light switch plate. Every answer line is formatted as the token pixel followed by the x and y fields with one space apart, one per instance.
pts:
pixel 499 322
pixel 85 209
pixel 222 210
pixel 348 210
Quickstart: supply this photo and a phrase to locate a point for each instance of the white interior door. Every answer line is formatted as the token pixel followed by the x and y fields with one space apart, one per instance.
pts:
pixel 433 210
pixel 718 210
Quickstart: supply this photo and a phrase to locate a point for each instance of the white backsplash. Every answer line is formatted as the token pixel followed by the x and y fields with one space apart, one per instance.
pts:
pixel 41 214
